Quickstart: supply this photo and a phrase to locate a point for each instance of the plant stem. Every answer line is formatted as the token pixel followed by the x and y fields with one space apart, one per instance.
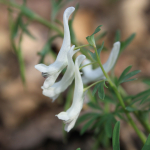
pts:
pixel 92 85
pixel 143 122
pixel 81 46
pixel 30 14
pixel 87 65
pixel 139 133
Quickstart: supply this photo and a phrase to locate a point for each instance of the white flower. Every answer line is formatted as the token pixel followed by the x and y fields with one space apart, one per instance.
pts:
pixel 92 75
pixel 52 71
pixel 71 115
pixel 58 87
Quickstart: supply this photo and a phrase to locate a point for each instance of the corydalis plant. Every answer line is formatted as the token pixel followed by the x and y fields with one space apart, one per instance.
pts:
pixel 52 71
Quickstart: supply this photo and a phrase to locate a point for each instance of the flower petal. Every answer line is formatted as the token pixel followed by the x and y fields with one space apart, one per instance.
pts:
pixel 112 57
pixel 41 67
pixel 62 55
pixel 66 80
pixel 71 124
pixel 54 69
pixel 50 80
pixel 63 116
pixel 90 75
pixel 74 111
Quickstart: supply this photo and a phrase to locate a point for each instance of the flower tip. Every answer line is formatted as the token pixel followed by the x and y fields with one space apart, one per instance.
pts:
pixel 67 130
pixel 41 67
pixel 69 11
pixel 117 43
pixel 63 116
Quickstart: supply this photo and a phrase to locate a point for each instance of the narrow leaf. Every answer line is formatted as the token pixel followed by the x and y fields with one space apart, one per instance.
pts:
pixel 85 117
pixel 94 106
pixel 146 81
pixel 101 92
pixel 130 109
pixel 25 30
pixel 115 139
pixel 100 49
pixel 97 29
pixel 129 75
pixel 124 73
pixel 117 36
pixel 103 34
pixel 147 144
pixel 144 99
pixel 127 42
pixel 91 39
pixel 95 89
pixel 87 125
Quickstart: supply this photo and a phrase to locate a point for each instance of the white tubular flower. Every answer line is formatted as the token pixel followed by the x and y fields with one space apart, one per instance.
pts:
pixel 58 87
pixel 71 115
pixel 52 71
pixel 90 75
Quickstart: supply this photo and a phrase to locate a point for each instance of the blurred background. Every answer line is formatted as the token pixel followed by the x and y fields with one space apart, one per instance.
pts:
pixel 27 118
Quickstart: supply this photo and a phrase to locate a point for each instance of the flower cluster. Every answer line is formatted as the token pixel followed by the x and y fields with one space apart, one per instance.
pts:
pixel 52 89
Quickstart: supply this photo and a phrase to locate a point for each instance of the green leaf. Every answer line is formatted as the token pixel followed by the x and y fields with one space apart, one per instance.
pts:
pixel 103 34
pixel 56 6
pixel 46 49
pixel 108 128
pixel 76 9
pixel 102 120
pixel 124 73
pixel 88 124
pixel 73 37
pixel 117 36
pixel 25 30
pixel 91 39
pixel 78 149
pixel 59 22
pixel 97 29
pixel 86 116
pixel 130 80
pixel 140 96
pixel 27 12
pixel 100 49
pixel 115 139
pixel 109 124
pixel 147 144
pixel 95 89
pixel 94 106
pixel 129 75
pixel 16 27
pixel 72 34
pixel 146 81
pixel 144 99
pixel 130 109
pixel 124 76
pixel 125 43
pixel 101 92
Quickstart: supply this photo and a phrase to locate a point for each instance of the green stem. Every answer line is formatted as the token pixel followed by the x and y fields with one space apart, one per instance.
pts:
pixel 92 85
pixel 30 14
pixel 81 46
pixel 139 133
pixel 87 65
pixel 143 122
